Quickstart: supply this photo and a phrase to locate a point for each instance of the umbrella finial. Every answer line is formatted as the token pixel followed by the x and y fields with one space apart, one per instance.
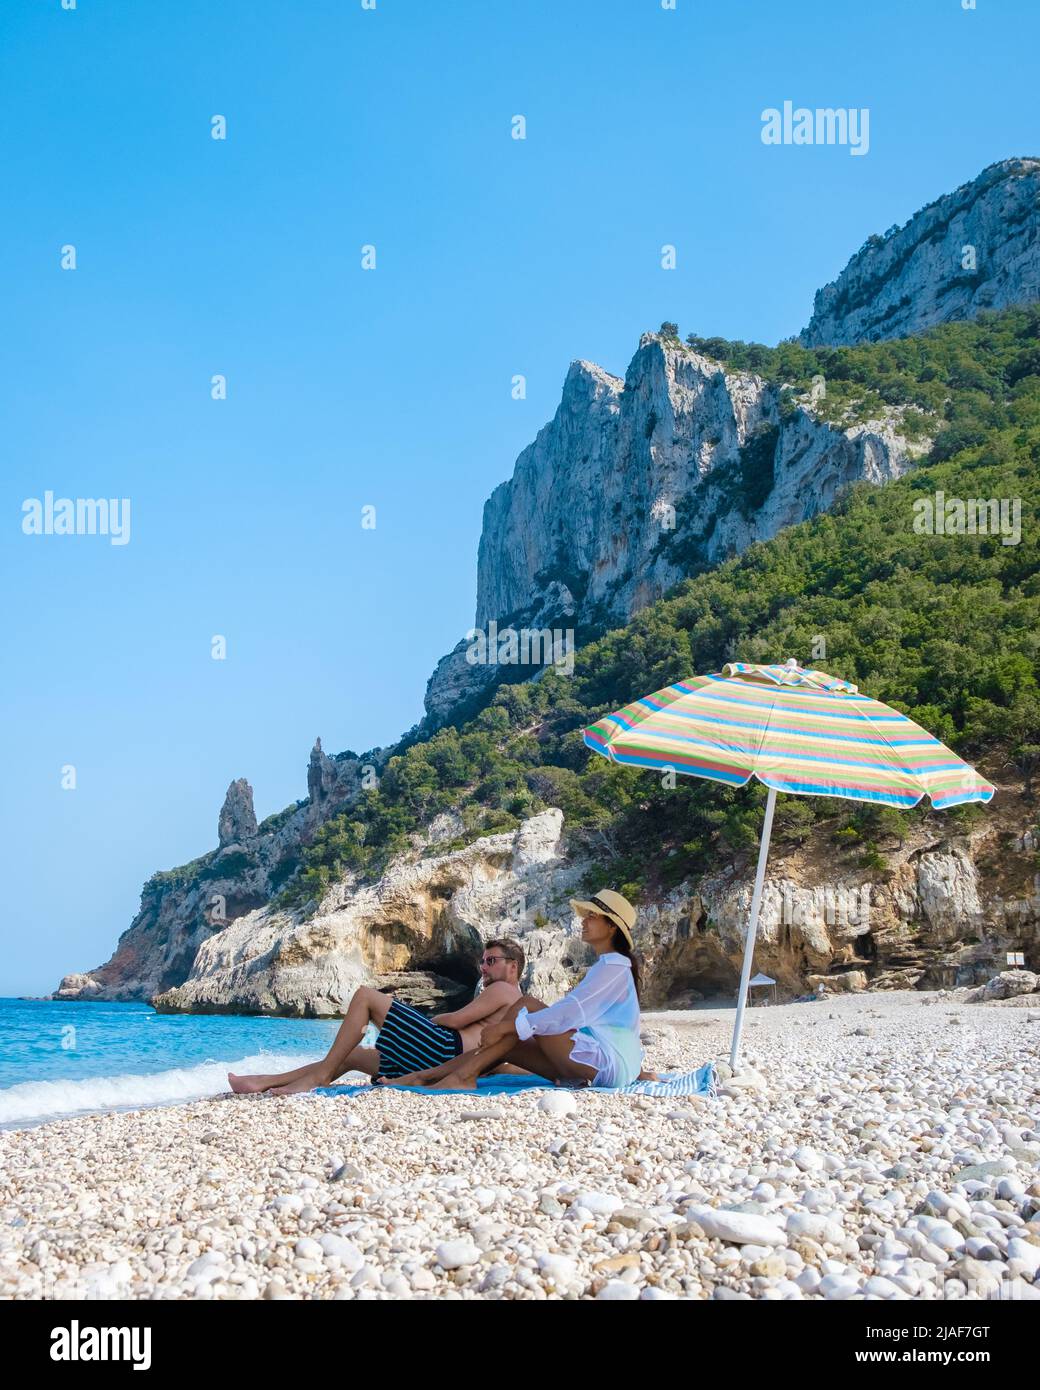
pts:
pixel 791 664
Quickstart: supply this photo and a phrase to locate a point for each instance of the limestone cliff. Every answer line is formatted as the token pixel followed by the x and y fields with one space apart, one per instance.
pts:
pixel 237 819
pixel 976 248
pixel 938 916
pixel 635 483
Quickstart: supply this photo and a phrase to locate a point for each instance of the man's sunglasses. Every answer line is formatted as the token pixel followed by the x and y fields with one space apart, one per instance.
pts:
pixel 492 960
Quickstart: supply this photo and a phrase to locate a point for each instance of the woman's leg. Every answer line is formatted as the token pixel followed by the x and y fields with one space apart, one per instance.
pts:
pixel 548 1056
pixel 367 1005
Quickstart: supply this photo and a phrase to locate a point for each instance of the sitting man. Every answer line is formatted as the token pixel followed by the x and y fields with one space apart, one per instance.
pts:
pixel 407 1040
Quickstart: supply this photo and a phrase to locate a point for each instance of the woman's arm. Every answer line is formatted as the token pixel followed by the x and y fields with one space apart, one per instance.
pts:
pixel 605 984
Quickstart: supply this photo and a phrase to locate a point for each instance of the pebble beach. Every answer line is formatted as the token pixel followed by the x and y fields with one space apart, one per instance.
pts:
pixel 877 1146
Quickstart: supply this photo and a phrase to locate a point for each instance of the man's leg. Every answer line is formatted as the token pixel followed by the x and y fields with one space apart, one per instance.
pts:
pixel 366 1005
pixel 365 1059
pixel 548 1056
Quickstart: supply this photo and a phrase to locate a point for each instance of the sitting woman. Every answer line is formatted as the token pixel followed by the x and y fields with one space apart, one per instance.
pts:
pixel 590 1035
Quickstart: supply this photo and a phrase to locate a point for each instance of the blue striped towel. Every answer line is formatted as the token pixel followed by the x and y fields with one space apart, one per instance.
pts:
pixel 703 1082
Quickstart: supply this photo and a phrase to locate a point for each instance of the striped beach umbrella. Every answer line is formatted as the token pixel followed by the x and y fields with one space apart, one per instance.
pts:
pixel 798 731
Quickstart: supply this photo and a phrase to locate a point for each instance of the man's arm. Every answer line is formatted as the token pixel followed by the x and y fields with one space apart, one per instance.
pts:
pixel 495 997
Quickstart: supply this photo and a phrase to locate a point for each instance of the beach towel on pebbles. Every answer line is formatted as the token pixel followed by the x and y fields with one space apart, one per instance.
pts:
pixel 703 1082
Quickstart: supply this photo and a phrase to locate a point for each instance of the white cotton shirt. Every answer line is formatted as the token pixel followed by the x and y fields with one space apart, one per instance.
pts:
pixel 603 1013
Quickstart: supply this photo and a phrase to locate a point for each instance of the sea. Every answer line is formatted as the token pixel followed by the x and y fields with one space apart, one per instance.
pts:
pixel 60 1059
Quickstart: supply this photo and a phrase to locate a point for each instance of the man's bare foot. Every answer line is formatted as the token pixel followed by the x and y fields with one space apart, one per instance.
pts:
pixel 247 1085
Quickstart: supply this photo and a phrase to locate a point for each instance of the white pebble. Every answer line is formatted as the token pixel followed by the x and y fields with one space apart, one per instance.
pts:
pixel 557 1103
pixel 453 1254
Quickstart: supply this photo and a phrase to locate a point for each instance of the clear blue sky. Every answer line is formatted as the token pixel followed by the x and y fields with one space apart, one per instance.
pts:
pixel 347 388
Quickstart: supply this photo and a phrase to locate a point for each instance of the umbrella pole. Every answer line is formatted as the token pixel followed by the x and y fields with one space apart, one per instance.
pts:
pixel 749 944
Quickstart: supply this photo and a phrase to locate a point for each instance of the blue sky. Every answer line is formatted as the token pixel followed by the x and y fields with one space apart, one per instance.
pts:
pixel 348 388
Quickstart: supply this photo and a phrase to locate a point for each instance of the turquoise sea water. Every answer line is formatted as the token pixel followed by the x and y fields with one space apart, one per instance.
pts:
pixel 59 1059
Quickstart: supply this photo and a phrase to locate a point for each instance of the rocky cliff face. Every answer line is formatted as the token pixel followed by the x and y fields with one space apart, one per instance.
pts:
pixel 934 918
pixel 634 483
pixel 976 248
pixel 237 819
pixel 183 909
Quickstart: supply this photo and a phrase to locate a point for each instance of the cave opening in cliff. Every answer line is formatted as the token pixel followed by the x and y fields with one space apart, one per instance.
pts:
pixel 448 951
pixel 689 971
pixel 866 946
pixel 461 968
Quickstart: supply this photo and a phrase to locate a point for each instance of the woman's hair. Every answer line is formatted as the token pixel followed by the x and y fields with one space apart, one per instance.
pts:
pixel 620 944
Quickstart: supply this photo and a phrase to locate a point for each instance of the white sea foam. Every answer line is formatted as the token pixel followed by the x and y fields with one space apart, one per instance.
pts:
pixel 32 1102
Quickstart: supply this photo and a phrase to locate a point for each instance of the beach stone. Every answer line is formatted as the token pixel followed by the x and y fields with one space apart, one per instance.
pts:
pixel 996 1168
pixel 772 1267
pixel 208 1267
pixel 807 1158
pixel 454 1254
pixel 558 1102
pixel 618 1291
pixel 881 1208
pixel 630 1216
pixel 1024 1254
pixel 1011 1189
pixel 838 1286
pixel 558 1269
pixel 745 1080
pixel 617 1263
pixel 345 1251
pixel 977 1275
pixel 814 1224
pixel 881 1287
pixel 741 1228
pixel 598 1203
pixel 981 1248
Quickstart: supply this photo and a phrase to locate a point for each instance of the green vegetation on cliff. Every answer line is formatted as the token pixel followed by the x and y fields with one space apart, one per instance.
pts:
pixel 944 627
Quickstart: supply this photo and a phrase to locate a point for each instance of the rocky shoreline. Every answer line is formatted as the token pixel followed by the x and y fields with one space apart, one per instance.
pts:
pixel 879 1146
pixel 942 914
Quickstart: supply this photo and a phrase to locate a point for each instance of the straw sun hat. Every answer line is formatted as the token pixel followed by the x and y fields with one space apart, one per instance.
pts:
pixel 612 906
